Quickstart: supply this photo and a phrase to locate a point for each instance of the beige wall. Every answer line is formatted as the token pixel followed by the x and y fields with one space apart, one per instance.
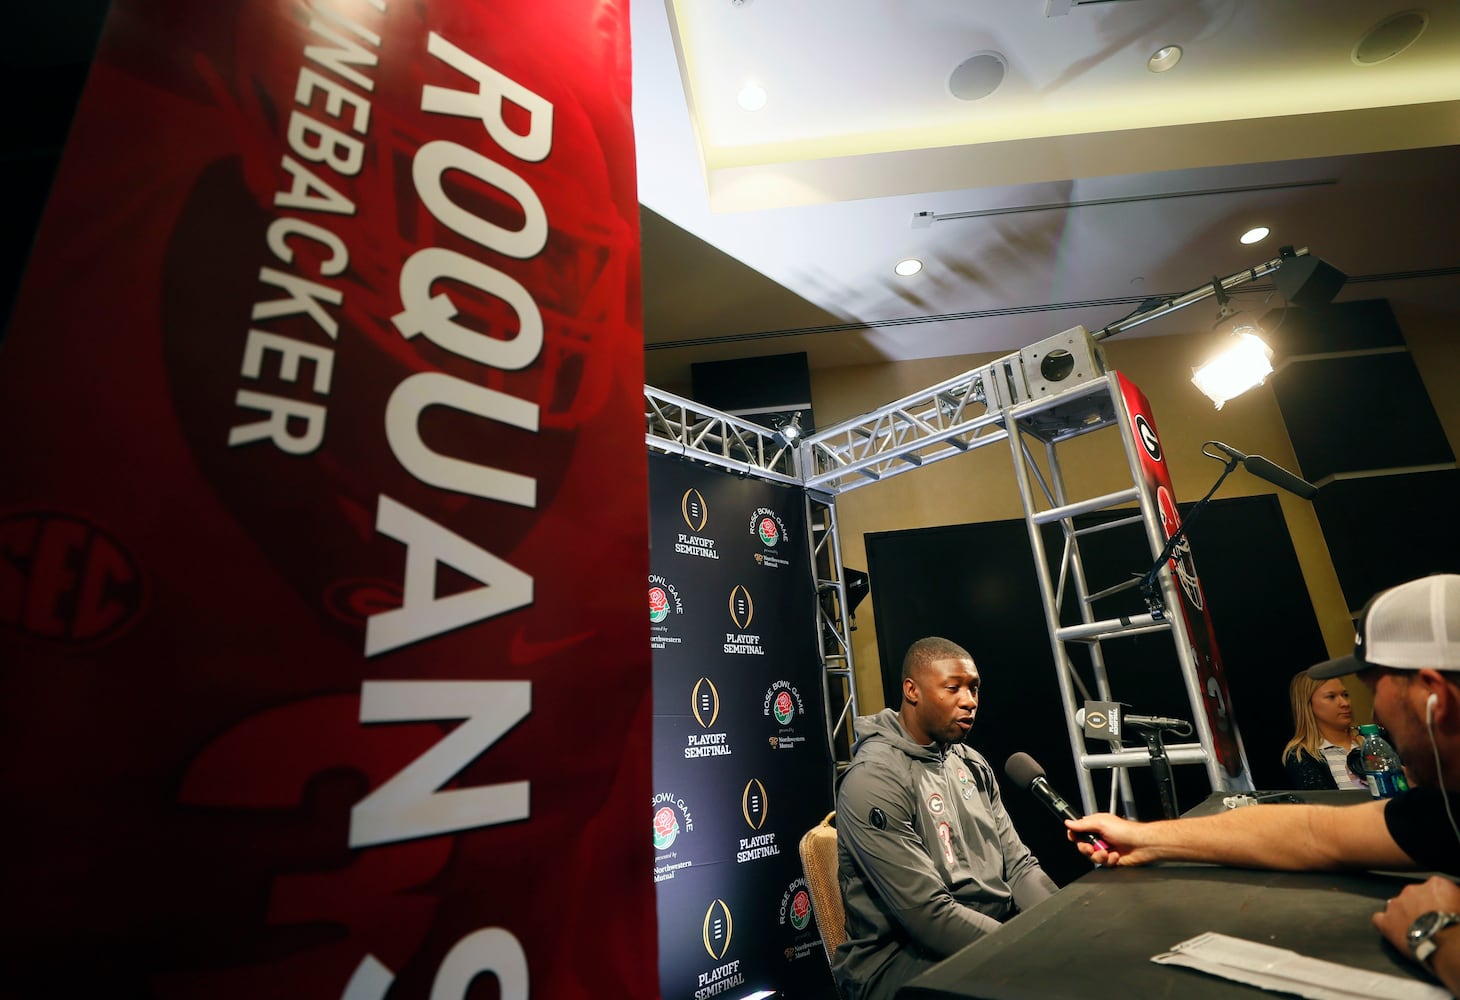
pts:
pixel 980 486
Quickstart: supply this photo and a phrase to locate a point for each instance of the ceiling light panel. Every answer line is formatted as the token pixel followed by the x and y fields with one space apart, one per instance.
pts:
pixel 879 81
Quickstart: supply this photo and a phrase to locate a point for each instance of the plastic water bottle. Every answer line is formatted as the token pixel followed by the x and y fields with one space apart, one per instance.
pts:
pixel 1382 768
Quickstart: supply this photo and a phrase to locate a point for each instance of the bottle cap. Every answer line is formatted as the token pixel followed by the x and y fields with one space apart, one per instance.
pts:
pixel 1371 729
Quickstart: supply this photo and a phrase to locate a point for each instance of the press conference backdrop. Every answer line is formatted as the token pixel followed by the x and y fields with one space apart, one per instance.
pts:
pixel 741 764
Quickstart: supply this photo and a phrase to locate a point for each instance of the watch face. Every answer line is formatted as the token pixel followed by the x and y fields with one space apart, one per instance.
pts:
pixel 1424 925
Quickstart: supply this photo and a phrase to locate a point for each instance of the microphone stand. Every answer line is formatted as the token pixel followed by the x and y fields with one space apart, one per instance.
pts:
pixel 1161 771
pixel 1151 582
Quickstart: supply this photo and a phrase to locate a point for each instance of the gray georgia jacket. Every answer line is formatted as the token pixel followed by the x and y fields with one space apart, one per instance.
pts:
pixel 928 858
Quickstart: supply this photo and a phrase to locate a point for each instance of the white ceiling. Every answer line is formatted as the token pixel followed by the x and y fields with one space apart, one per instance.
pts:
pixel 1096 182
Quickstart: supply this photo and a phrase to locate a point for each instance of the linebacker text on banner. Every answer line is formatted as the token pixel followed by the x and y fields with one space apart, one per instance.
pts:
pixel 322 533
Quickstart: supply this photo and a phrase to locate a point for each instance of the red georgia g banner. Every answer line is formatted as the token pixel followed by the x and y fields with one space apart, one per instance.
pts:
pixel 322 534
pixel 1195 617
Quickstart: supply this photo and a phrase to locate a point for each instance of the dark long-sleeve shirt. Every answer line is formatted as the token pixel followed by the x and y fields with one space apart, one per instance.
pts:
pixel 929 860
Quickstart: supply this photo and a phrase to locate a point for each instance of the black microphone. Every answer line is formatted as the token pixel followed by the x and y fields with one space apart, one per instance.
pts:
pixel 1108 723
pixel 1024 771
pixel 1155 722
pixel 1279 477
pixel 1269 472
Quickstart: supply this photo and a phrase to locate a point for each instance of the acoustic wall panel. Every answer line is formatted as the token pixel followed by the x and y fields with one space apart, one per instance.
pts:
pixel 1363 428
pixel 1385 530
pixel 1359 413
pixel 766 390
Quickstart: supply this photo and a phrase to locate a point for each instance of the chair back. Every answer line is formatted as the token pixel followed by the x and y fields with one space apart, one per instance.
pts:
pixel 818 861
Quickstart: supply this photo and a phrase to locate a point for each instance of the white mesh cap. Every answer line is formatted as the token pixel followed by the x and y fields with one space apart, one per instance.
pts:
pixel 1408 627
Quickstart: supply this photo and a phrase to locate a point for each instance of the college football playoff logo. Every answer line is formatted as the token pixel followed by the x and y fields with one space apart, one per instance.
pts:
pixel 696 512
pixel 717 930
pixel 704 701
pixel 753 804
pixel 742 608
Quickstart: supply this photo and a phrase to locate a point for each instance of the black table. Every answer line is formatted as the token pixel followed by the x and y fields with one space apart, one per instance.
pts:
pixel 1096 936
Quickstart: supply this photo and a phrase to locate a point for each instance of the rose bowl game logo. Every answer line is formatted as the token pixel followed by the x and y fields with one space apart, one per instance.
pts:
pixel 784 708
pixel 796 912
pixel 664 602
pixel 769 533
pixel 767 528
pixel 800 910
pixel 782 703
pixel 666 828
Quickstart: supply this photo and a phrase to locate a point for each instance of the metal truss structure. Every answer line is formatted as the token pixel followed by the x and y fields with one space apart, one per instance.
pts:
pixel 681 426
pixel 1032 400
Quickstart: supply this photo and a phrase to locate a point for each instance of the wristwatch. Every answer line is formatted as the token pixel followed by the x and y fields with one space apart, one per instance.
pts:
pixel 1421 936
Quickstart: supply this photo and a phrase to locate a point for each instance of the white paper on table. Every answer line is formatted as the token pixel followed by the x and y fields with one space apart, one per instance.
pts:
pixel 1286 971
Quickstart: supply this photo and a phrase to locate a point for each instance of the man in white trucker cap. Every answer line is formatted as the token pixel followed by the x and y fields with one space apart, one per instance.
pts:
pixel 1407 651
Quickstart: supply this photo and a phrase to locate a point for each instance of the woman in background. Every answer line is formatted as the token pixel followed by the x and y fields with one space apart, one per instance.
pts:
pixel 1317 755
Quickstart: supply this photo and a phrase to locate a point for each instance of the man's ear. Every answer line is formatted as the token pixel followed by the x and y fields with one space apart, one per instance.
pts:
pixel 1436 685
pixel 909 691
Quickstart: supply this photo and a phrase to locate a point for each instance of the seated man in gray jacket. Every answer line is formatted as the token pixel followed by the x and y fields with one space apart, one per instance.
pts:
pixel 929 860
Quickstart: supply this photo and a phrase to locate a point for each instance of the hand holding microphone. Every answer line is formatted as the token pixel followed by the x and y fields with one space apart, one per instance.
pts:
pixel 1025 772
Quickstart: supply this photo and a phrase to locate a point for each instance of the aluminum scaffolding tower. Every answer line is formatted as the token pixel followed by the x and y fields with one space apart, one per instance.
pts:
pixel 1032 400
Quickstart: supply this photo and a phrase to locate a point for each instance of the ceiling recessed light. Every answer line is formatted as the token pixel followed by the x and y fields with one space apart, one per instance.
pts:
pixel 1255 235
pixel 752 97
pixel 907 268
pixel 1164 58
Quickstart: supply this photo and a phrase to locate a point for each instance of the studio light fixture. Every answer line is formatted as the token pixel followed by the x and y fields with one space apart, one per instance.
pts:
pixel 1243 363
pixel 788 431
pixel 908 267
pixel 1303 280
pixel 1254 235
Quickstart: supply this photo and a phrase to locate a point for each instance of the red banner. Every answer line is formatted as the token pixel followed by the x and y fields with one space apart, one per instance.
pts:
pixel 1197 620
pixel 323 530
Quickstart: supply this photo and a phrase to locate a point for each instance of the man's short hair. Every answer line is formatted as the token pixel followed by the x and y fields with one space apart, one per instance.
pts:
pixel 931 648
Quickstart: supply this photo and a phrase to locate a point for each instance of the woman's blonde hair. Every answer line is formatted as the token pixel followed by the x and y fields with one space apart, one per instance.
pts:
pixel 1307 737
